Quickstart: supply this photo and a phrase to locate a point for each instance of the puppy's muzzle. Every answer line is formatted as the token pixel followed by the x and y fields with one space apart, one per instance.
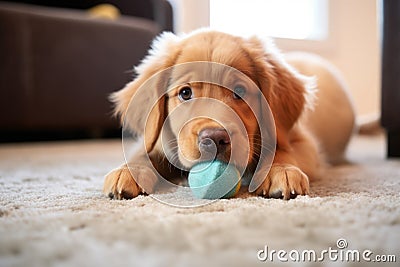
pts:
pixel 213 143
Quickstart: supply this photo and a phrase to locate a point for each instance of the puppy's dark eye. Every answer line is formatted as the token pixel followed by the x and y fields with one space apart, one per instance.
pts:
pixel 239 92
pixel 185 93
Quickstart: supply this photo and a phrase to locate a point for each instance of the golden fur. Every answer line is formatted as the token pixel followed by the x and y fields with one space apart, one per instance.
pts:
pixel 288 94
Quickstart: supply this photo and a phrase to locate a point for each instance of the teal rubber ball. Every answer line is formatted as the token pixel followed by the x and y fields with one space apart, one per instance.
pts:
pixel 214 180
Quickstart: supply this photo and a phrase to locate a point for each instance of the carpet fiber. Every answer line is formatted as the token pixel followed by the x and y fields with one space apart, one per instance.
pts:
pixel 52 213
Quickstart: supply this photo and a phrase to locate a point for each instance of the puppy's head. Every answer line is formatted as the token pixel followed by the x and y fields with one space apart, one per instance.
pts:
pixel 214 117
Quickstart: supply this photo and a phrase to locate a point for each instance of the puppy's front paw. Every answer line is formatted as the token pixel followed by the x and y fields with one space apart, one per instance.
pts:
pixel 122 183
pixel 284 181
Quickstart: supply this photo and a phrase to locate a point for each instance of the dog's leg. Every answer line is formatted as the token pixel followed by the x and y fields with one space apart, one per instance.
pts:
pixel 284 180
pixel 291 169
pixel 130 180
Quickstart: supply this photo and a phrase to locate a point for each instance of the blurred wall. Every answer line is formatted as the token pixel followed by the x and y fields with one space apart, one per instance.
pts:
pixel 355 31
pixel 353 46
pixel 190 14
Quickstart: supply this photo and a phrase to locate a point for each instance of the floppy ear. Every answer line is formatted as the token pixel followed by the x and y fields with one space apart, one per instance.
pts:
pixel 287 95
pixel 141 103
pixel 287 91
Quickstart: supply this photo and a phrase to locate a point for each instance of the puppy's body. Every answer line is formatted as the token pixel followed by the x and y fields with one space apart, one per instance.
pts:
pixel 308 124
pixel 332 119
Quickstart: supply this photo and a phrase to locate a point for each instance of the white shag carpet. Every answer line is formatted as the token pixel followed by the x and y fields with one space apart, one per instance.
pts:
pixel 52 213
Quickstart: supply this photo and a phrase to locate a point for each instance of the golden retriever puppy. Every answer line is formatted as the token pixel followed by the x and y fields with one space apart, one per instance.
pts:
pixel 175 114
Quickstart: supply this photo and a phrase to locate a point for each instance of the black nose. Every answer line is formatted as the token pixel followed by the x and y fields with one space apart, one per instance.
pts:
pixel 212 139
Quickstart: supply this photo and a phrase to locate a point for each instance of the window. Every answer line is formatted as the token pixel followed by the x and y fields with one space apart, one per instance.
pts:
pixel 294 19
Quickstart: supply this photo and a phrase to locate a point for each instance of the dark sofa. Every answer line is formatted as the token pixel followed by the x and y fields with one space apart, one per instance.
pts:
pixel 58 65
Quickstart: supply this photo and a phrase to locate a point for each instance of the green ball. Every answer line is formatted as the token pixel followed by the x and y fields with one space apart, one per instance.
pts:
pixel 213 180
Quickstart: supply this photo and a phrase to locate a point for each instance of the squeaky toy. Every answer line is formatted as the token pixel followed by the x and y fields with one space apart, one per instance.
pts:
pixel 214 180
